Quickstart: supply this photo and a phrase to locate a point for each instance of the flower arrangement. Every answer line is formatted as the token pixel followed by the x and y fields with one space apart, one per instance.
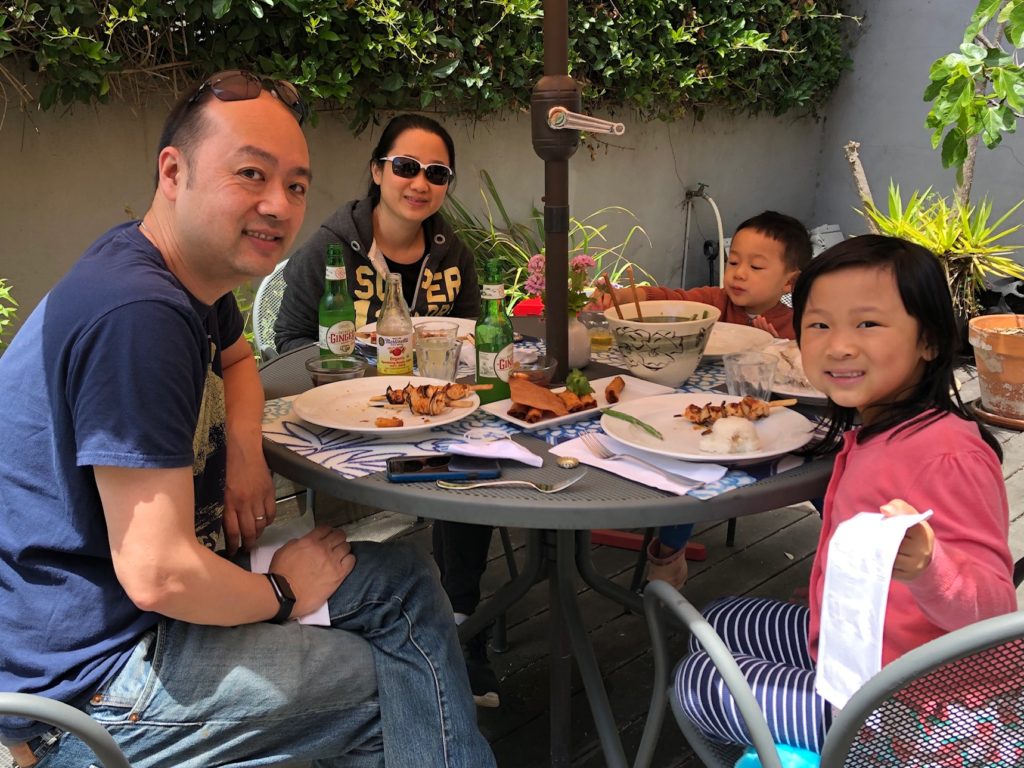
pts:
pixel 578 266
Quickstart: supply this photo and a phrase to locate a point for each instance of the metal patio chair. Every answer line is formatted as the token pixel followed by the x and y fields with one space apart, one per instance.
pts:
pixel 67 718
pixel 891 709
pixel 265 307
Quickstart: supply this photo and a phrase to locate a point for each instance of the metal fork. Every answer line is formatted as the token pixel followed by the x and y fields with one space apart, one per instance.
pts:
pixel 593 444
pixel 463 485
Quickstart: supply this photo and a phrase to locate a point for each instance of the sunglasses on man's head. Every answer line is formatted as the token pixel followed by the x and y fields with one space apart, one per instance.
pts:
pixel 409 168
pixel 242 85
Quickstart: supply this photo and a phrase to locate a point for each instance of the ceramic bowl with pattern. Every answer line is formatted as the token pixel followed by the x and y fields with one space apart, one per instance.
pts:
pixel 666 346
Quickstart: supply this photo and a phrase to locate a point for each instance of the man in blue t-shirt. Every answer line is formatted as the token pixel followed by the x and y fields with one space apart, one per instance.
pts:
pixel 131 473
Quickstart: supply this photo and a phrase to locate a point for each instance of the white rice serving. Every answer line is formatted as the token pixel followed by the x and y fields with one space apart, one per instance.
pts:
pixel 732 434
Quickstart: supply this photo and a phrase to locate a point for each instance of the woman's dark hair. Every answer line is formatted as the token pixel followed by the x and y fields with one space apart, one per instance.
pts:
pixel 924 291
pixel 395 128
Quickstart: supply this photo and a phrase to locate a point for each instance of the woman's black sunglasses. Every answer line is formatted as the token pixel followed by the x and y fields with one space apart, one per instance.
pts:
pixel 409 167
pixel 242 85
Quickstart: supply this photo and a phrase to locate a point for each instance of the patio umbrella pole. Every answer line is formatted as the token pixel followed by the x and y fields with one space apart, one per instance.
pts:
pixel 555 146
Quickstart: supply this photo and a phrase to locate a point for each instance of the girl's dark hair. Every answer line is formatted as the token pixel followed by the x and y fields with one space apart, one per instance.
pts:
pixel 924 291
pixel 395 128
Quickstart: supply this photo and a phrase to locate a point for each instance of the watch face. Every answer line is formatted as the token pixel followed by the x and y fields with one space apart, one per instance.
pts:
pixel 283 587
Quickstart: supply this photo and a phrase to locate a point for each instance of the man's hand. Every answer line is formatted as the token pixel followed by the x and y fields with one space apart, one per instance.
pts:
pixel 315 566
pixel 249 503
pixel 762 324
pixel 915 552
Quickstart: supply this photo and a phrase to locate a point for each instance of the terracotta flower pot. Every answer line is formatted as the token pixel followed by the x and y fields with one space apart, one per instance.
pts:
pixel 998 342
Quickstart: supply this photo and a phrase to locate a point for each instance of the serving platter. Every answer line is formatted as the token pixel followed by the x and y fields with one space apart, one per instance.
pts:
pixel 634 389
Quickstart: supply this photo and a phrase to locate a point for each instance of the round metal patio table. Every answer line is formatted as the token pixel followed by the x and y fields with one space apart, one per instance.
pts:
pixel 558 540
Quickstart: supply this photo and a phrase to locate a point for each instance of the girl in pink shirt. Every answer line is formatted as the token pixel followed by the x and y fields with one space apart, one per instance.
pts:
pixel 877 334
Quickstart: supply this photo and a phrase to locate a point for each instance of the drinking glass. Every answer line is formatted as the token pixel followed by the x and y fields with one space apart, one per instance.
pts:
pixel 437 349
pixel 750 373
pixel 597 326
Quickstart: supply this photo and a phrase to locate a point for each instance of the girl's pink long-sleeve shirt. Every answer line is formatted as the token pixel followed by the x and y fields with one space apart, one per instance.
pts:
pixel 948 468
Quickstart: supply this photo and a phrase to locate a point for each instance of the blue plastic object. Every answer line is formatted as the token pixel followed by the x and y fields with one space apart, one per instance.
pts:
pixel 790 757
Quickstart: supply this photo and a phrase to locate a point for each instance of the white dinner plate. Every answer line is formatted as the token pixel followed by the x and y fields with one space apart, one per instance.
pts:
pixel 466 326
pixel 780 433
pixel 727 338
pixel 346 405
pixel 788 353
pixel 635 389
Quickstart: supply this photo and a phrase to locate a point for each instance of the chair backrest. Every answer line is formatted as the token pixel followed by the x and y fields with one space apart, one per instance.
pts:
pixel 68 718
pixel 959 694
pixel 286 374
pixel 265 307
pixel 964 690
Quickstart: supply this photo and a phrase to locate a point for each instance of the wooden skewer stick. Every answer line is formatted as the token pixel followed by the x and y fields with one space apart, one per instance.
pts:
pixel 782 403
pixel 636 301
pixel 607 285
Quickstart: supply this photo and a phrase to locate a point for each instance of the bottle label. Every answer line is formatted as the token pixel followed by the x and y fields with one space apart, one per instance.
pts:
pixel 335 273
pixel 495 365
pixel 394 354
pixel 492 291
pixel 339 338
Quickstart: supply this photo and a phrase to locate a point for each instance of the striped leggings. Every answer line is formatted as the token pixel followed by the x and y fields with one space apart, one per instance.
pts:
pixel 768 639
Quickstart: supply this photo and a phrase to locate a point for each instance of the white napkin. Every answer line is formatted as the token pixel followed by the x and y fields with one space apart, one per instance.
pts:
pixel 860 558
pixel 496 449
pixel 275 537
pixel 706 473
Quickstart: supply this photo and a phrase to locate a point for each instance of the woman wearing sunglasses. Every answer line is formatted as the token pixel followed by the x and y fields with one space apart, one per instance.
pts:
pixel 395 228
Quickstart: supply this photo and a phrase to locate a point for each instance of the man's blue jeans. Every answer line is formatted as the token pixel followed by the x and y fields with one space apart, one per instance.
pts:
pixel 385 685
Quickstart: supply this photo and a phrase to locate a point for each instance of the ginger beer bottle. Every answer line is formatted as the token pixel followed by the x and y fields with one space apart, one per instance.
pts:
pixel 394 332
pixel 337 313
pixel 494 340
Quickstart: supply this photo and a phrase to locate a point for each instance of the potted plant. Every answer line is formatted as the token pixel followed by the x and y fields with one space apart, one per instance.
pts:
pixel 977 95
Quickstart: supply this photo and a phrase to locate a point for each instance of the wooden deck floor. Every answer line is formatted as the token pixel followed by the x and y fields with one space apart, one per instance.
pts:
pixel 771 556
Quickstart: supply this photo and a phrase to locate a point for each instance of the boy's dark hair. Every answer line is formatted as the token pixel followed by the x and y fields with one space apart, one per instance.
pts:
pixel 924 291
pixel 395 128
pixel 786 230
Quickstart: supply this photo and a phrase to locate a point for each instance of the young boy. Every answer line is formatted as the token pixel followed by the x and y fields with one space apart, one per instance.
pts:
pixel 766 255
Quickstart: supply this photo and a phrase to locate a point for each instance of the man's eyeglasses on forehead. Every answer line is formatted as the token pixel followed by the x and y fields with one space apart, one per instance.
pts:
pixel 242 85
pixel 409 168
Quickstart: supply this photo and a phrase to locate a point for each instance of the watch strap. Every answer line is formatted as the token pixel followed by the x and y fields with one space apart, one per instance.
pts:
pixel 285 597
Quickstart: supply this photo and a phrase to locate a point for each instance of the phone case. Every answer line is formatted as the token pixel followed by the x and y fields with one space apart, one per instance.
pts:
pixel 416 469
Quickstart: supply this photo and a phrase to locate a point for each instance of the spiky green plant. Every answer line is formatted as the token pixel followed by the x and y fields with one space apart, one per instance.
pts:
pixel 8 310
pixel 969 245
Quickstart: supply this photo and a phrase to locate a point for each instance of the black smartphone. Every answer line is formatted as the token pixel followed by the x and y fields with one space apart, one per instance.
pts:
pixel 414 469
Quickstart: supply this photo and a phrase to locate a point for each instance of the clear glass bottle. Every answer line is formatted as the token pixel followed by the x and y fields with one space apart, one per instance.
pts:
pixel 494 338
pixel 336 312
pixel 394 332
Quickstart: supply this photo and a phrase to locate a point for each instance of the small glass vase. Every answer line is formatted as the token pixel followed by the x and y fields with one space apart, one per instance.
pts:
pixel 579 344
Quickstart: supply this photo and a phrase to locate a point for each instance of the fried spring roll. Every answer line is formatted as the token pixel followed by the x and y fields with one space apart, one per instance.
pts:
pixel 614 389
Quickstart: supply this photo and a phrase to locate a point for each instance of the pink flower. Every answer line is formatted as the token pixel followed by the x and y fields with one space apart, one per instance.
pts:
pixel 582 263
pixel 534 284
pixel 536 263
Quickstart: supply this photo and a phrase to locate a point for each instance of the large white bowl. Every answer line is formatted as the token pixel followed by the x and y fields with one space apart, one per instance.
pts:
pixel 663 352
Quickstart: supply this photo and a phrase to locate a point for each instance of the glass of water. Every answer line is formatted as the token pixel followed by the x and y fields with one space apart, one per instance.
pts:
pixel 437 349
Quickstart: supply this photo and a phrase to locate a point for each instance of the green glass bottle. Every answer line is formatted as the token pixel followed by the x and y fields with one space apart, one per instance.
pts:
pixel 494 340
pixel 336 312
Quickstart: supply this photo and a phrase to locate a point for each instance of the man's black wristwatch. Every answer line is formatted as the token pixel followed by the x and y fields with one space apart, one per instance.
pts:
pixel 285 597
